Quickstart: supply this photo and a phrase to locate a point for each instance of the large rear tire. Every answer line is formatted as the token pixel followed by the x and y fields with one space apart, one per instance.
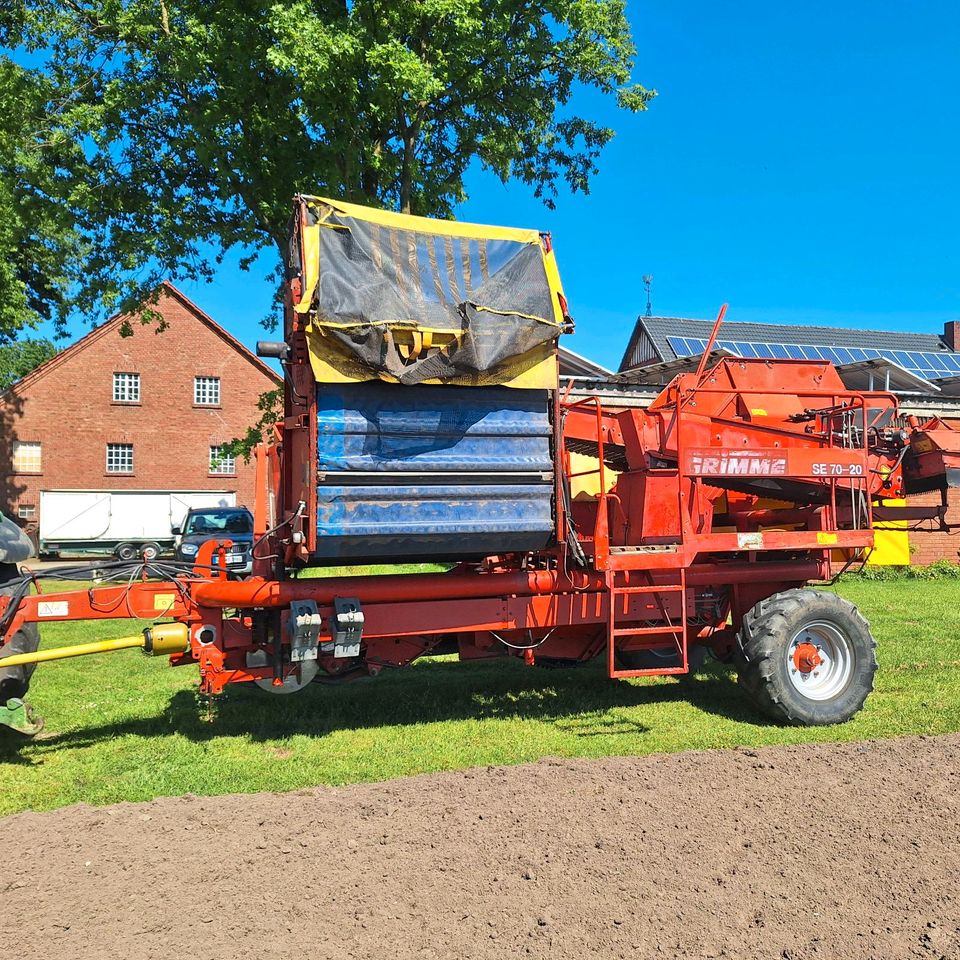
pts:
pixel 807 657
pixel 15 681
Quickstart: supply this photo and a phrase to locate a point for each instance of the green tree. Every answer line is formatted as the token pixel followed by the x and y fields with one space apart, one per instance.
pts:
pixel 19 358
pixel 200 120
pixel 40 249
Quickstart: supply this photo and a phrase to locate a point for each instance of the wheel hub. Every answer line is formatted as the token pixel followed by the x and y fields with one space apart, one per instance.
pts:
pixel 806 657
pixel 820 660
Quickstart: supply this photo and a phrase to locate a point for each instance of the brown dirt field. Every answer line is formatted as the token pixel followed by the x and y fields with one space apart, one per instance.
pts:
pixel 819 851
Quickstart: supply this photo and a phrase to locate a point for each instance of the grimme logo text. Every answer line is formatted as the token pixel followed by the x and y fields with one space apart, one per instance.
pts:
pixel 734 464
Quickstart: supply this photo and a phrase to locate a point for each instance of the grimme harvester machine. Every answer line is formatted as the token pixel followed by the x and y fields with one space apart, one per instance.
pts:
pixel 423 421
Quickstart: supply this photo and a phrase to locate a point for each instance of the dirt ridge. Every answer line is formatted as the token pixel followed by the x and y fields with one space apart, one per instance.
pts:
pixel 812 851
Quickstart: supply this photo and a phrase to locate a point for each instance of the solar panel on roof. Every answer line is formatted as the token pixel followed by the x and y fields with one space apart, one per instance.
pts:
pixel 924 363
pixel 936 362
pixel 952 361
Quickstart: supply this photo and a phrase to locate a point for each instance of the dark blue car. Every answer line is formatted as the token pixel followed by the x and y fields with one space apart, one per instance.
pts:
pixel 218 523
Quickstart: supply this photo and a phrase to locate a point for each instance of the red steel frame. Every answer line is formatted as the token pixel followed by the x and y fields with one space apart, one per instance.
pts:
pixel 732 486
pixel 680 467
pixel 831 466
pixel 631 596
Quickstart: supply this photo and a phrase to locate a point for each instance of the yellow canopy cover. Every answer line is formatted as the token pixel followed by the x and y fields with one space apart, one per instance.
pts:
pixel 413 300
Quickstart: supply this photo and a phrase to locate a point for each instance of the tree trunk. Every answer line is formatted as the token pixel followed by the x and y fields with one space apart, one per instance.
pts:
pixel 406 171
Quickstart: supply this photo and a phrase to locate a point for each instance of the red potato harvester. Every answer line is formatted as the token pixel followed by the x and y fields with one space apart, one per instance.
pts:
pixel 423 421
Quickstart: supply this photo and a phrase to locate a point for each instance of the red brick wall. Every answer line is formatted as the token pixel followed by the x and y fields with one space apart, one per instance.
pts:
pixel 927 548
pixel 70 411
pixel 951 333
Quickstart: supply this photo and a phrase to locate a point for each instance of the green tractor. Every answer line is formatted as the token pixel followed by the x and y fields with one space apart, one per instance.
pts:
pixel 15 713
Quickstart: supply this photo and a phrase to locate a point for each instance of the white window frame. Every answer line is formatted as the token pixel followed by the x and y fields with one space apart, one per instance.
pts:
pixel 118 456
pixel 27 511
pixel 206 391
pixel 222 464
pixel 27 456
pixel 126 388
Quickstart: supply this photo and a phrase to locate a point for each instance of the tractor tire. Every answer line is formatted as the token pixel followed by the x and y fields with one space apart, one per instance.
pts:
pixel 807 657
pixel 15 681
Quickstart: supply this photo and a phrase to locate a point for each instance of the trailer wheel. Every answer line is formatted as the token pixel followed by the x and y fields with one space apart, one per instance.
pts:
pixel 126 551
pixel 150 551
pixel 807 657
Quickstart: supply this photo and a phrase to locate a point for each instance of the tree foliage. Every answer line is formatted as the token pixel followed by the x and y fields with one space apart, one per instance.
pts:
pixel 198 121
pixel 19 358
pixel 40 248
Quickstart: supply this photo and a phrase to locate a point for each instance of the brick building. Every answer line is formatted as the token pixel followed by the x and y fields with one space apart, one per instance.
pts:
pixel 144 412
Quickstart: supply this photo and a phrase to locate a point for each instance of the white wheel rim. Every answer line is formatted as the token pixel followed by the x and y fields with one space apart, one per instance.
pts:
pixel 832 666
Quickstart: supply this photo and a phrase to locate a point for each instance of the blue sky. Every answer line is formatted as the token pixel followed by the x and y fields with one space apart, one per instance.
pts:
pixel 800 162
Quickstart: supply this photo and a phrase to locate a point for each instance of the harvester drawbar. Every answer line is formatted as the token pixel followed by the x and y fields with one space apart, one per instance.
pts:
pixel 423 421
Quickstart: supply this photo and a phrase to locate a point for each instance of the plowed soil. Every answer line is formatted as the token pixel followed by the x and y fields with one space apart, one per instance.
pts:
pixel 829 851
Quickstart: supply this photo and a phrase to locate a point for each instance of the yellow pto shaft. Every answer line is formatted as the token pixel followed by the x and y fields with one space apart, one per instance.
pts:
pixel 154 641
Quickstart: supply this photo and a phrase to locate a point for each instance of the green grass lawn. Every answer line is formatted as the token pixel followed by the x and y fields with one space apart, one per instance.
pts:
pixel 121 727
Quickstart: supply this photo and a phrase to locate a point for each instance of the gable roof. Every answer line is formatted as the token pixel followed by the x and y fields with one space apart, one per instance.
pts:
pixel 576 365
pixel 114 322
pixel 657 329
pixel 228 338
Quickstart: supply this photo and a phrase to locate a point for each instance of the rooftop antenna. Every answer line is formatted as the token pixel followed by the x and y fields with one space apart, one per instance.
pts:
pixel 647 284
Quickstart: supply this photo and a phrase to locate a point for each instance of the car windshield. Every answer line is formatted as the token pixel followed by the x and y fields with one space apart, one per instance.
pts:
pixel 215 521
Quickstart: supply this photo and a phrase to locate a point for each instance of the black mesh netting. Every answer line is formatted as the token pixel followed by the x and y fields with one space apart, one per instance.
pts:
pixel 421 306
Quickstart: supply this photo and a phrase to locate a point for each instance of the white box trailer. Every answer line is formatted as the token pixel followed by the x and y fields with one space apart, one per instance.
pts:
pixel 127 523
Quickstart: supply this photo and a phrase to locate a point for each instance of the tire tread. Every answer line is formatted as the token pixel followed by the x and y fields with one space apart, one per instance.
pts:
pixel 760 642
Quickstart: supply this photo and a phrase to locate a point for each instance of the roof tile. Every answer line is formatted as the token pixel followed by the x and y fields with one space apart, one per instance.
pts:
pixel 659 328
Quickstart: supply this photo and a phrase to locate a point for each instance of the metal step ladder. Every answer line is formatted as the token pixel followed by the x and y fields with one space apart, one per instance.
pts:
pixel 678 629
